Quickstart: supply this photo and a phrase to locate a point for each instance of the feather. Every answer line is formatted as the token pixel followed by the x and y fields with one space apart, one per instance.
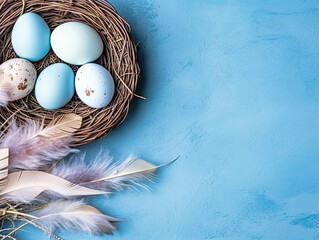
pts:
pixel 25 186
pixel 4 162
pixel 61 126
pixel 33 147
pixel 74 215
pixel 79 171
pixel 103 173
pixel 4 95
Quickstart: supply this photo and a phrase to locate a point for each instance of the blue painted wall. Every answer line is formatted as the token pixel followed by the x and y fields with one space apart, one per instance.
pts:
pixel 232 87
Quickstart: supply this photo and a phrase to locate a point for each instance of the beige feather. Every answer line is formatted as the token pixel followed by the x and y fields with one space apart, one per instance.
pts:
pixel 135 168
pixel 61 126
pixel 25 186
pixel 4 163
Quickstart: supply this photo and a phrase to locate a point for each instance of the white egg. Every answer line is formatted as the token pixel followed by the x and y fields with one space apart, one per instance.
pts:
pixel 76 43
pixel 19 75
pixel 94 85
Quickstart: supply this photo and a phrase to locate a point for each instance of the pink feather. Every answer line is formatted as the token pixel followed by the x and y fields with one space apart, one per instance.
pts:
pixel 84 173
pixel 88 172
pixel 31 151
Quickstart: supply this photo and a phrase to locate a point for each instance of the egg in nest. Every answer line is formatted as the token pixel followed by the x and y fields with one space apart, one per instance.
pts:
pixel 19 75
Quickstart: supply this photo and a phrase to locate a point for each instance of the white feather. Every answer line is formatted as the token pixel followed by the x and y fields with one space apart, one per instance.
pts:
pixel 129 173
pixel 25 186
pixel 103 173
pixel 4 94
pixel 4 163
pixel 74 215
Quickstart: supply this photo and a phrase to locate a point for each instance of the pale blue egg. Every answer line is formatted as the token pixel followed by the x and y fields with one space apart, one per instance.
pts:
pixel 94 85
pixel 31 37
pixel 76 43
pixel 55 86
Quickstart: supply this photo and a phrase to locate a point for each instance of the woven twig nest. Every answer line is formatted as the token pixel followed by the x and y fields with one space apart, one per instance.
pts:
pixel 119 57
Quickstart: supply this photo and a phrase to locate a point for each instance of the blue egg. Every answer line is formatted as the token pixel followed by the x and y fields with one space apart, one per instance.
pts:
pixel 31 37
pixel 55 86
pixel 76 43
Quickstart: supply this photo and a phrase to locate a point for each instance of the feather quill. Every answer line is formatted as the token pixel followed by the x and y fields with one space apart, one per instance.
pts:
pixel 33 147
pixel 25 186
pixel 74 215
pixel 104 174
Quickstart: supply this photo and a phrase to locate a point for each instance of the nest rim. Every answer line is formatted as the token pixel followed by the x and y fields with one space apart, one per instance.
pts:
pixel 119 57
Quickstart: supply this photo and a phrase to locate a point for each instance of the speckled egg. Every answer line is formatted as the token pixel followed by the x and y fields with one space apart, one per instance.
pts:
pixel 94 85
pixel 20 75
pixel 55 86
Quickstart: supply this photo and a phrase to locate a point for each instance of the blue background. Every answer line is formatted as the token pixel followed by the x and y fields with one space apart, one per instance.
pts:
pixel 232 87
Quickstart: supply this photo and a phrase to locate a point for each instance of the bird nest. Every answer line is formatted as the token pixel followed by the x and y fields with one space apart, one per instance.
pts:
pixel 119 57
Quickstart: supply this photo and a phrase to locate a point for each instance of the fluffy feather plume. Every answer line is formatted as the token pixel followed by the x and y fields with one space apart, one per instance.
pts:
pixel 81 172
pixel 4 95
pixel 74 215
pixel 33 147
pixel 103 173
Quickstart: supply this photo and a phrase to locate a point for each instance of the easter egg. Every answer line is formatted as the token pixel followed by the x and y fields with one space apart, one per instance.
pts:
pixel 55 86
pixel 19 75
pixel 31 37
pixel 76 43
pixel 94 85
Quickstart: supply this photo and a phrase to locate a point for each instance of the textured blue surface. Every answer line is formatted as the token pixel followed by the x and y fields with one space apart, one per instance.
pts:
pixel 232 87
